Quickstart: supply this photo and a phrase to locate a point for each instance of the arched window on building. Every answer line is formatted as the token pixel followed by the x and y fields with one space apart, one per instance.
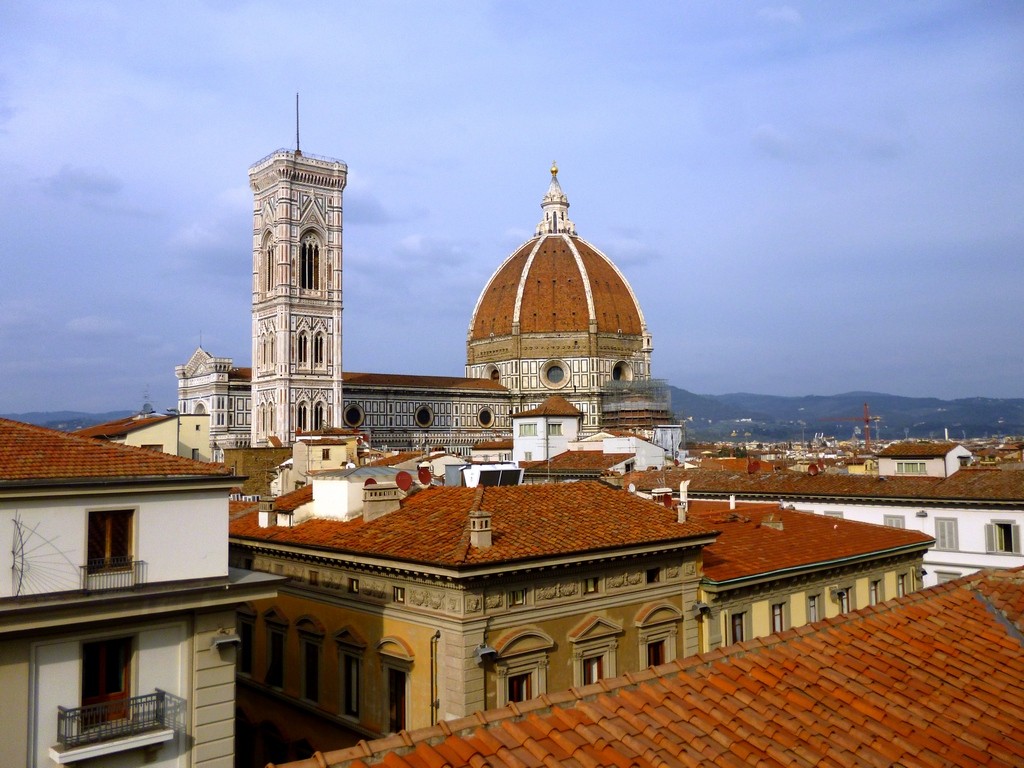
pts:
pixel 318 416
pixel 318 351
pixel 303 349
pixel 309 263
pixel 301 417
pixel 267 265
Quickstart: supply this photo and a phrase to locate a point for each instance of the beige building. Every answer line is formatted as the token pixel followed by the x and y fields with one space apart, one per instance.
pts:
pixel 179 435
pixel 117 605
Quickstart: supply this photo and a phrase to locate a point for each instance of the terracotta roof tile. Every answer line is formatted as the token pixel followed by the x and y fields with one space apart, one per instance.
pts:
pixel 35 454
pixel 528 522
pixel 917 449
pixel 826 712
pixel 409 381
pixel 109 430
pixel 555 405
pixel 574 462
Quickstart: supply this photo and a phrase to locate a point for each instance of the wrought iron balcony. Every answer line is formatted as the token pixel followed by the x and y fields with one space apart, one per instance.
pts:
pixel 113 573
pixel 116 719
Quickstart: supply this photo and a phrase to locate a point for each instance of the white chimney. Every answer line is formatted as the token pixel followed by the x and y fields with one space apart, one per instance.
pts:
pixel 732 501
pixel 267 518
pixel 684 501
pixel 480 529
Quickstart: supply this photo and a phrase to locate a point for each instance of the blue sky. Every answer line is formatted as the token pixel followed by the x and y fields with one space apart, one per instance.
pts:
pixel 807 198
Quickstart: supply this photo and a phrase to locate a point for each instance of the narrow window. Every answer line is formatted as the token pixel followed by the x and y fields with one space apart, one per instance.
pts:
pixel 736 622
pixel 593 669
pixel 301 417
pixel 245 630
pixel 901 585
pixel 106 678
pixel 778 617
pixel 843 596
pixel 591 585
pixel 309 264
pixel 812 608
pixel 303 345
pixel 275 657
pixel 353 586
pixel 655 653
pixel 520 687
pixel 397 680
pixel 874 590
pixel 310 670
pixel 318 351
pixel 350 668
pixel 398 594
pixel 318 416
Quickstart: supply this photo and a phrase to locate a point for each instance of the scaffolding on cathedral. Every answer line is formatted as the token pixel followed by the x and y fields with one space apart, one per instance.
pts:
pixel 636 406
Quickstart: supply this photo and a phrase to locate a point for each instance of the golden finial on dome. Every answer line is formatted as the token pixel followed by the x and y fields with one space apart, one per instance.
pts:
pixel 554 168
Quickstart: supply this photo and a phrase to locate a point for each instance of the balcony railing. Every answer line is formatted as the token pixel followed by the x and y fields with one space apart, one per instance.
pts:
pixel 116 719
pixel 113 573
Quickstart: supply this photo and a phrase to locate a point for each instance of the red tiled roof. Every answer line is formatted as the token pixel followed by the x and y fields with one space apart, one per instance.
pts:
pixel 528 522
pixel 577 461
pixel 398 458
pixel 29 453
pixel 405 380
pixel 963 485
pixel 555 405
pixel 289 502
pixel 932 679
pixel 917 449
pixel 120 427
pixel 746 547
pixel 493 445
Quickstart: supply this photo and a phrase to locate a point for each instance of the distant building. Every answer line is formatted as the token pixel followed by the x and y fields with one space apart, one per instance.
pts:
pixel 187 436
pixel 974 515
pixel 117 605
pixel 922 458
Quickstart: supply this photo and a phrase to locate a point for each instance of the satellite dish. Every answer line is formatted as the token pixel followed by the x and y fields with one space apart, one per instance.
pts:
pixel 632 488
pixel 403 480
pixel 813 470
pixel 369 481
pixel 424 476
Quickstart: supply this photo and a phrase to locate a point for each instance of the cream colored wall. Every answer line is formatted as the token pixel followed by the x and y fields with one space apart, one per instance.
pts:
pixel 14 714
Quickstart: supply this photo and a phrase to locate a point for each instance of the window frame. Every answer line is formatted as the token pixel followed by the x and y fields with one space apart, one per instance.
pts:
pixel 116 547
pixel 996 534
pixel 778 616
pixel 947 528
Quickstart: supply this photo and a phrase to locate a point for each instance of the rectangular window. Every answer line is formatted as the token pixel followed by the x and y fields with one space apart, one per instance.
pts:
pixel 653 575
pixel 1002 536
pixel 834 513
pixel 874 592
pixel 946 533
pixel 894 521
pixel 778 617
pixel 528 430
pixel 517 597
pixel 520 687
pixel 812 608
pixel 275 657
pixel 591 585
pixel 350 667
pixel 655 653
pixel 397 680
pixel 555 430
pixel 314 578
pixel 110 540
pixel 325 454
pixel 901 585
pixel 736 627
pixel 843 598
pixel 593 669
pixel 353 585
pixel 106 678
pixel 245 630
pixel 398 594
pixel 527 455
pixel 311 670
pixel 910 468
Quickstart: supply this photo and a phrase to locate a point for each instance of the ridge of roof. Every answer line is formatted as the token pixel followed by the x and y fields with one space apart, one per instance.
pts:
pixel 553 405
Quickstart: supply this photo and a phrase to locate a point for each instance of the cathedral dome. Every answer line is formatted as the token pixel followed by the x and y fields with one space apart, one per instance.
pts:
pixel 556 283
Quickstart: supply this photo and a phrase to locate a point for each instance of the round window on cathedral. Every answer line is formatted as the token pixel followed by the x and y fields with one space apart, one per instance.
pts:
pixel 485 417
pixel 621 371
pixel 424 416
pixel 553 374
pixel 354 415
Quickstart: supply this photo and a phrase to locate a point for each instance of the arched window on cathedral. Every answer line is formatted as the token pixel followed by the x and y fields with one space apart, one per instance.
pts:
pixel 301 417
pixel 267 265
pixel 303 349
pixel 309 263
pixel 318 351
pixel 318 416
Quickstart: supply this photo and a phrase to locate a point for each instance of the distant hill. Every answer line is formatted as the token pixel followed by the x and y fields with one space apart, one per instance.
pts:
pixel 66 421
pixel 771 417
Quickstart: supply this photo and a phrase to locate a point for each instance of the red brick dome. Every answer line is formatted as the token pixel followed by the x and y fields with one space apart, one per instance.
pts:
pixel 556 283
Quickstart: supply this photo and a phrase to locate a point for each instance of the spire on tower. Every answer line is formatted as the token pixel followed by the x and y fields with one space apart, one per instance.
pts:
pixel 556 209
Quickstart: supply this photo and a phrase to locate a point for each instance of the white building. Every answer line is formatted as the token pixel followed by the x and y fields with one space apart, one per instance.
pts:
pixel 117 606
pixel 544 431
pixel 922 458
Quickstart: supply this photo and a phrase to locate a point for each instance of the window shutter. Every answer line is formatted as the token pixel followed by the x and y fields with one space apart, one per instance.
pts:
pixel 990 538
pixel 1016 538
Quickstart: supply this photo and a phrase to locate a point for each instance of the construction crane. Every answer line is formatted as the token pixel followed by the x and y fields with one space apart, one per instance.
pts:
pixel 867 418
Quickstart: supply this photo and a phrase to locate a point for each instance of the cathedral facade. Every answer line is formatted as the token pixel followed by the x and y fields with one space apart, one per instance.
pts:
pixel 556 317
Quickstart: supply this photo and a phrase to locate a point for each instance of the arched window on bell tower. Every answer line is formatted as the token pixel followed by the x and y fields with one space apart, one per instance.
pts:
pixel 267 265
pixel 318 351
pixel 301 417
pixel 309 263
pixel 318 417
pixel 303 349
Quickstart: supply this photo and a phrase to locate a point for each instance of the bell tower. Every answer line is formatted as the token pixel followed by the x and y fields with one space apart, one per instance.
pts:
pixel 296 295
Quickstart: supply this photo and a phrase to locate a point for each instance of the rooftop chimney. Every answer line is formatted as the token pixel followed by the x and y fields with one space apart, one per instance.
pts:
pixel 266 516
pixel 684 501
pixel 479 522
pixel 381 498
pixel 732 501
